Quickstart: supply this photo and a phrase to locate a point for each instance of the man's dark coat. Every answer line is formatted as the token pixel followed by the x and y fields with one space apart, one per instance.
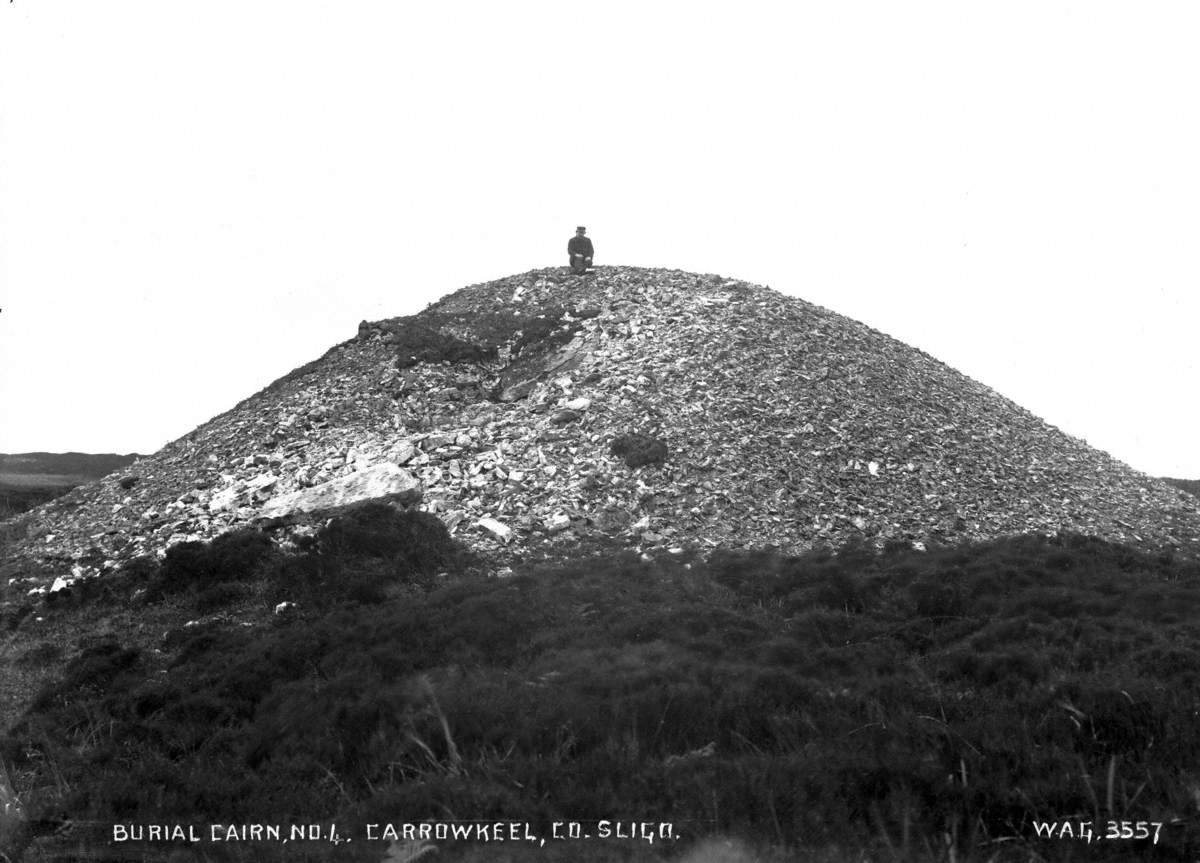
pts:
pixel 580 246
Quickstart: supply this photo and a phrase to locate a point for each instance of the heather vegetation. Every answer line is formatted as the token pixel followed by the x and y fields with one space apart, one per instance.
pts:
pixel 432 336
pixel 900 704
pixel 422 341
pixel 639 449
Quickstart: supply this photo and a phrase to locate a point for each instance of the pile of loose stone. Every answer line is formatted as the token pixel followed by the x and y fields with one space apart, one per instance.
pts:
pixel 783 425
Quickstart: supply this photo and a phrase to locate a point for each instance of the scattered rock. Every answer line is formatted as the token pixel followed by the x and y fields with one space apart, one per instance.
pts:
pixel 261 482
pixel 500 530
pixel 222 500
pixel 384 482
pixel 767 421
pixel 402 453
pixel 517 391
pixel 436 441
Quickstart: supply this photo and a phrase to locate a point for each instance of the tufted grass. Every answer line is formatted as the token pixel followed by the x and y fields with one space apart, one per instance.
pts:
pixel 845 704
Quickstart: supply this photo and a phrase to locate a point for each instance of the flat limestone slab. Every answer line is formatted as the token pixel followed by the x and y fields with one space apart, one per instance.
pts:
pixel 383 482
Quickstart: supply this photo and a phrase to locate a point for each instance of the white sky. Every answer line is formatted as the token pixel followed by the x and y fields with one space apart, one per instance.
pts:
pixel 197 197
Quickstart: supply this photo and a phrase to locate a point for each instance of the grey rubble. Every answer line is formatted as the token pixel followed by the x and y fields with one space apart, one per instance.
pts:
pixel 787 425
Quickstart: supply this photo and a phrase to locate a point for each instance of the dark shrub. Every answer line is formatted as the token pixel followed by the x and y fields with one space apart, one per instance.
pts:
pixel 843 590
pixel 490 331
pixel 42 654
pixel 299 576
pixel 934 598
pixel 219 596
pixel 234 556
pixel 185 564
pixel 93 671
pixel 138 570
pixel 545 332
pixel 415 542
pixel 639 449
pixel 191 642
pixel 421 342
pixel 1122 721
pixel 933 701
pixel 363 553
pixel 755 574
pixel 856 555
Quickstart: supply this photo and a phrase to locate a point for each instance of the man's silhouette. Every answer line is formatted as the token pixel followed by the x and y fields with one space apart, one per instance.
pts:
pixel 579 248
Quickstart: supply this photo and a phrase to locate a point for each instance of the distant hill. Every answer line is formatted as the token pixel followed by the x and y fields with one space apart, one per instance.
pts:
pixel 89 465
pixel 32 478
pixel 1191 486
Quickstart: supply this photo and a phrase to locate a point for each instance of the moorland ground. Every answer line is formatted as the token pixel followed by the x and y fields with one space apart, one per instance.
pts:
pixel 844 704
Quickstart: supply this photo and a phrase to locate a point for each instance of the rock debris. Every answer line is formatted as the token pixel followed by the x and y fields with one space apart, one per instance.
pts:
pixel 781 424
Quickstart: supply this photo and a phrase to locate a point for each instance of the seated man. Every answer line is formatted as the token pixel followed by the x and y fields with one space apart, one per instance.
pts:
pixel 579 248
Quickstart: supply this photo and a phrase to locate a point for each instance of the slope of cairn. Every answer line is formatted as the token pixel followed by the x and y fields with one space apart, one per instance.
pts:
pixel 740 418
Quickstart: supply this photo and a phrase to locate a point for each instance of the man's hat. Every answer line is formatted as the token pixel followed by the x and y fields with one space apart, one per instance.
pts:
pixel 581 228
